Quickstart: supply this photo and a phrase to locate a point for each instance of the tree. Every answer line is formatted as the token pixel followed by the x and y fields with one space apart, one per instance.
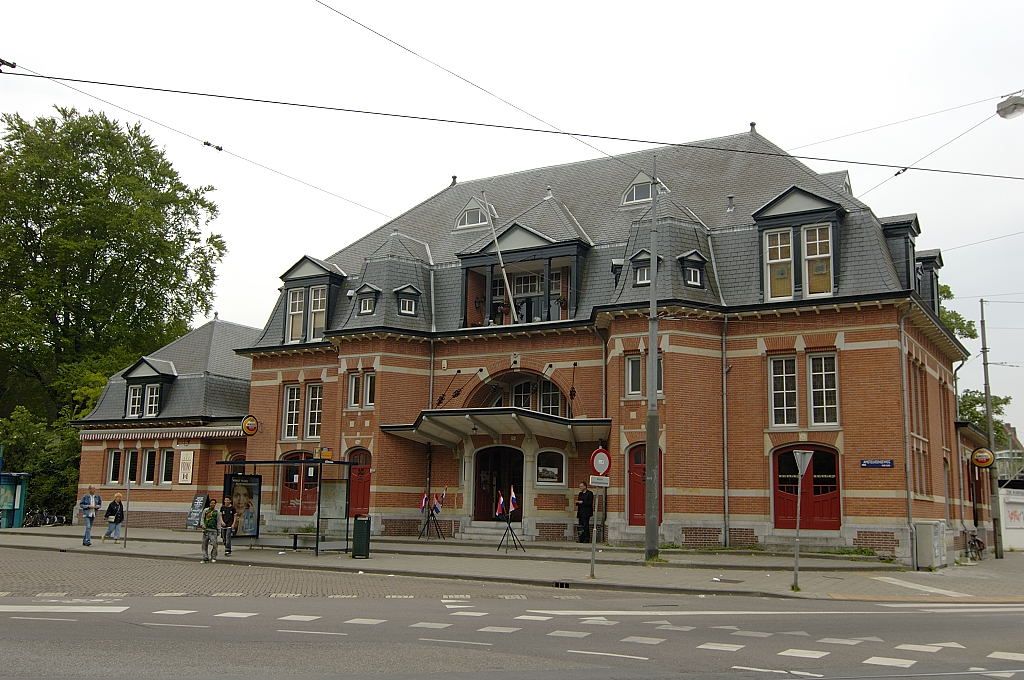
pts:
pixel 972 408
pixel 954 321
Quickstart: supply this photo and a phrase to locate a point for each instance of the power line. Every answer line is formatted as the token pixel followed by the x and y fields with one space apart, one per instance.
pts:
pixel 975 297
pixel 518 128
pixel 974 243
pixel 201 141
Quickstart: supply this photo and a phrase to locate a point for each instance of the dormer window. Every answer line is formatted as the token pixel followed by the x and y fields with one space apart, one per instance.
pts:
pixel 134 401
pixel 643 274
pixel 638 193
pixel 408 296
pixel 472 217
pixel 152 400
pixel 317 312
pixel 366 305
pixel 407 306
pixel 693 277
pixel 693 268
pixel 779 264
pixel 818 259
pixel 296 310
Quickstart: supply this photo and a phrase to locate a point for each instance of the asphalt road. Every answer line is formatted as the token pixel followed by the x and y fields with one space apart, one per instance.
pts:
pixel 384 627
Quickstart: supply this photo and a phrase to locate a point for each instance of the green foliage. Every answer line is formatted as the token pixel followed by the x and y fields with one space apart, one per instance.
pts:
pixel 48 452
pixel 972 408
pixel 954 321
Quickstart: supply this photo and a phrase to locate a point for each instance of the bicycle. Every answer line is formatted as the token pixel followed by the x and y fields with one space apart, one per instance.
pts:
pixel 32 519
pixel 975 548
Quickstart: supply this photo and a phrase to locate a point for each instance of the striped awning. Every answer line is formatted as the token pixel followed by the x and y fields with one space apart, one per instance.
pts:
pixel 232 432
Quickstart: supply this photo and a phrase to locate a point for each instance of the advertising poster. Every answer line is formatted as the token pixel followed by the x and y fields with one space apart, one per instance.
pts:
pixel 244 491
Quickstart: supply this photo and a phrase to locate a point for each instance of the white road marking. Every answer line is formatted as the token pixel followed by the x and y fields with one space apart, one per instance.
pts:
pixel 454 598
pixel 497 629
pixel 297 617
pixel 51 594
pixel 799 633
pixel 568 633
pixel 640 640
pixel 617 656
pixel 174 625
pixel 286 594
pixel 806 674
pixel 726 627
pixel 399 597
pixel 459 606
pixel 977 610
pixel 228 594
pixel 176 612
pixel 917 586
pixel 804 653
pixel 428 624
pixel 599 622
pixel 58 609
pixel 721 647
pixel 458 642
pixel 918 648
pixel 870 638
pixel 1008 656
pixel 752 633
pixel 905 605
pixel 1002 674
pixel 308 632
pixel 4 593
pixel 568 597
pixel 170 594
pixel 886 661
pixel 683 629
pixel 39 618
pixel 527 617
pixel 107 594
pixel 512 597
pixel 953 645
pixel 839 641
pixel 366 622
pixel 617 613
pixel 341 597
pixel 236 615
pixel 469 613
pixel 758 670
pixel 661 622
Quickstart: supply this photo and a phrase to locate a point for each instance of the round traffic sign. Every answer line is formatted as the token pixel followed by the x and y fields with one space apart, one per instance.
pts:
pixel 982 457
pixel 600 461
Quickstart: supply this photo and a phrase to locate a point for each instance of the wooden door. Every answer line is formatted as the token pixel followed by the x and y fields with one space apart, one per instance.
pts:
pixel 498 468
pixel 637 485
pixel 359 484
pixel 819 492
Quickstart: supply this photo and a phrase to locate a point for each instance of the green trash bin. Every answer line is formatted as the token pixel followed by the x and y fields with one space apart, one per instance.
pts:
pixel 361 537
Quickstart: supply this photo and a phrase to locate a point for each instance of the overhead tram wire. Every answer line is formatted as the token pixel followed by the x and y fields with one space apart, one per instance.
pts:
pixel 986 240
pixel 197 139
pixel 517 128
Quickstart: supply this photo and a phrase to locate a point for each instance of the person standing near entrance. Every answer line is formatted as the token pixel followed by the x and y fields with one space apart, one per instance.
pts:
pixel 89 504
pixel 210 523
pixel 115 518
pixel 228 522
pixel 584 511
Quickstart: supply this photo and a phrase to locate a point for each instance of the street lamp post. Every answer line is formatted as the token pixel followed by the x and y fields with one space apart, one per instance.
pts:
pixel 993 475
pixel 653 452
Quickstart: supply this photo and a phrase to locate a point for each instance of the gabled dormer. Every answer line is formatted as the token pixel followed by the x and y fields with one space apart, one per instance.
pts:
pixel 366 297
pixel 639 190
pixel 474 214
pixel 929 262
pixel 148 380
pixel 641 264
pixel 799 245
pixel 692 263
pixel 309 287
pixel 407 298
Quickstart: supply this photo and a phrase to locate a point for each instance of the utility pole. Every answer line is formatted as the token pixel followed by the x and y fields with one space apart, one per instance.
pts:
pixel 653 453
pixel 993 473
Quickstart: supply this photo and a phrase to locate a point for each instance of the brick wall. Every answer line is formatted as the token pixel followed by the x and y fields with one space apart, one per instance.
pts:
pixel 154 520
pixel 882 542
pixel 742 537
pixel 411 527
pixel 702 537
pixel 551 531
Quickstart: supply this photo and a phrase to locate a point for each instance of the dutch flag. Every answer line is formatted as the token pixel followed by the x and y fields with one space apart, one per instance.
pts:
pixel 500 510
pixel 423 502
pixel 438 502
pixel 513 502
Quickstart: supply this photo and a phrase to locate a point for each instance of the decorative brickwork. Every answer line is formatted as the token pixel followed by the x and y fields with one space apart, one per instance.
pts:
pixel 411 527
pixel 161 520
pixel 551 531
pixel 702 537
pixel 742 537
pixel 882 542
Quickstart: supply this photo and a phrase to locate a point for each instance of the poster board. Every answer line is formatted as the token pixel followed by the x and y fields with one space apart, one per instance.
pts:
pixel 244 491
pixel 195 511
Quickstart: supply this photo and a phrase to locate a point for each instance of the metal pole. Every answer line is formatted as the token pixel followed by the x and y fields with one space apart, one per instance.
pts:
pixel 127 500
pixel 652 453
pixel 319 500
pixel 796 544
pixel 593 538
pixel 993 475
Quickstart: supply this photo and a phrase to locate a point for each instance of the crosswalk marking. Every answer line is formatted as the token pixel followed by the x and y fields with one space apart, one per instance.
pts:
pixel 497 629
pixel 469 613
pixel 568 633
pixel 59 609
pixel 887 661
pixel 228 594
pixel 428 624
pixel 341 597
pixel 599 622
pixel 169 594
pixel 683 629
pixel 1000 674
pixel 953 645
pixel 308 632
pixel 752 633
pixel 176 612
pixel 804 653
pixel 107 594
pixel 1007 656
pixel 297 617
pixel 618 656
pixel 51 594
pixel 726 627
pixel 4 593
pixel 175 625
pixel 512 597
pixel 286 594
pixel 640 640
pixel 399 597
pixel 458 606
pixel 450 598
pixel 366 622
pixel 528 617
pixel 720 647
pixel 919 648
pixel 839 641
pixel 236 615
pixel 917 586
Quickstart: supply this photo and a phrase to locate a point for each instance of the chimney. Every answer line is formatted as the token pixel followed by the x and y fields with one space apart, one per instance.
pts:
pixel 753 128
pixel 548 195
pixel 731 205
pixel 454 180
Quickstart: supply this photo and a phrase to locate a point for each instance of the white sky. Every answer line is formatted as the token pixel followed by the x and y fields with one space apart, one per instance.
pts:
pixel 803 71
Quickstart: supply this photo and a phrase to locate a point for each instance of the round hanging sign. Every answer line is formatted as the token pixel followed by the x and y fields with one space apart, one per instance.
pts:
pixel 600 461
pixel 982 458
pixel 250 425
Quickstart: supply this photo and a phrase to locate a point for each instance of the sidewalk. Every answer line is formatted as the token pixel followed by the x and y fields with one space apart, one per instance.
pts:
pixel 567 565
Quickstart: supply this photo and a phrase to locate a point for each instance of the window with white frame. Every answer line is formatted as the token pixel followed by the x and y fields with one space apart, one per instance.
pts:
pixel 152 400
pixel 317 312
pixel 472 217
pixel 550 468
pixel 314 410
pixel 296 309
pixel 639 192
pixel 354 384
pixel 778 254
pixel 824 390
pixel 370 389
pixel 783 389
pixel 526 284
pixel 407 306
pixel 643 274
pixel 521 395
pixel 693 277
pixel 633 373
pixel 167 475
pixel 149 467
pixel 366 304
pixel 818 259
pixel 134 401
pixel 550 398
pixel 292 405
pixel 114 466
pixel 498 287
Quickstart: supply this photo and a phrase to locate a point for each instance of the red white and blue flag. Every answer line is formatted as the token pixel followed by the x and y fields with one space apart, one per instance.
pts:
pixel 423 502
pixel 513 502
pixel 439 502
pixel 500 510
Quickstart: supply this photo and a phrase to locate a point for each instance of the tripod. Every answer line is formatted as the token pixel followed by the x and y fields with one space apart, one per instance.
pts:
pixel 510 536
pixel 431 521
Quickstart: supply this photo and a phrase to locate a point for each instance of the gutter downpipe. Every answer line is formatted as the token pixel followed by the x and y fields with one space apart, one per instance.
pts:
pixel 725 432
pixel 904 381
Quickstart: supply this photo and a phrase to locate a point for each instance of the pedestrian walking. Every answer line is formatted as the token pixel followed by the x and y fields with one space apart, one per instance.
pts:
pixel 584 511
pixel 228 523
pixel 115 518
pixel 89 504
pixel 210 523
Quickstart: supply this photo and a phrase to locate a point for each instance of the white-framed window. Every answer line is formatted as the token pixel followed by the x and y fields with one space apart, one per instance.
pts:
pixel 133 466
pixel 556 283
pixel 152 400
pixel 292 405
pixel 526 284
pixel 638 193
pixel 407 306
pixel 643 274
pixel 818 259
pixel 634 365
pixel 296 308
pixel 149 467
pixel 354 383
pixel 550 398
pixel 824 389
pixel 472 217
pixel 778 264
pixel 366 304
pixel 551 468
pixel 498 287
pixel 314 410
pixel 369 389
pixel 521 395
pixel 317 312
pixel 134 401
pixel 693 277
pixel 167 473
pixel 114 466
pixel 783 390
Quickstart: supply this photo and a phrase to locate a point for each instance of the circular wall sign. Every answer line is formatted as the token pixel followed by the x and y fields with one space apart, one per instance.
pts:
pixel 982 458
pixel 600 461
pixel 250 425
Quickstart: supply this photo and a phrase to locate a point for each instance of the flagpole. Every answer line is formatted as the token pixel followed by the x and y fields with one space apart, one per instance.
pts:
pixel 501 261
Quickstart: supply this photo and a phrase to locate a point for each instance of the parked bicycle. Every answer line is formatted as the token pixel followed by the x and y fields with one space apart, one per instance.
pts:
pixel 32 518
pixel 975 547
pixel 52 520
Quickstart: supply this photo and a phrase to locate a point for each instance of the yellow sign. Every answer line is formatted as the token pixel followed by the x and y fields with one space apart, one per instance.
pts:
pixel 250 425
pixel 982 458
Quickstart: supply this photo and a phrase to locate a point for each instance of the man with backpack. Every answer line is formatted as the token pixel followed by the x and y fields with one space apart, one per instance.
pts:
pixel 210 523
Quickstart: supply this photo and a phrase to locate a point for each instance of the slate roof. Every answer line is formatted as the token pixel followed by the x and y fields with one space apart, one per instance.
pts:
pixel 582 202
pixel 212 380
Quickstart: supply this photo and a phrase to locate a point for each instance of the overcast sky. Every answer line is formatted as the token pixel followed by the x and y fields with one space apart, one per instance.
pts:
pixel 804 72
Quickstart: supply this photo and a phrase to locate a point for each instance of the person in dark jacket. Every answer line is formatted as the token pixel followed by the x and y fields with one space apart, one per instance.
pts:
pixel 228 523
pixel 115 518
pixel 584 511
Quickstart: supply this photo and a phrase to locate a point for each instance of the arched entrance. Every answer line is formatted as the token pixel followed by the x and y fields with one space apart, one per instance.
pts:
pixel 819 494
pixel 498 468
pixel 298 486
pixel 359 483
pixel 636 468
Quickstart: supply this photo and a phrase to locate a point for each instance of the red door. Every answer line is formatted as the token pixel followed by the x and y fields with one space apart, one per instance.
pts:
pixel 637 485
pixel 819 493
pixel 298 486
pixel 359 484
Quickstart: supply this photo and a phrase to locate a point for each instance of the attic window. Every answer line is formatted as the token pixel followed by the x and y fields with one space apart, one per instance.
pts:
pixel 472 217
pixel 643 274
pixel 366 304
pixel 693 276
pixel 407 306
pixel 638 193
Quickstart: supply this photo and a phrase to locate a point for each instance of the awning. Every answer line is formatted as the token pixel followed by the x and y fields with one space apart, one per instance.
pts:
pixel 448 427
pixel 232 432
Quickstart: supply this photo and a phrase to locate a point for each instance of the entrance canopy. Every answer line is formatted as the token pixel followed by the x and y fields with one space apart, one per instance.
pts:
pixel 448 427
